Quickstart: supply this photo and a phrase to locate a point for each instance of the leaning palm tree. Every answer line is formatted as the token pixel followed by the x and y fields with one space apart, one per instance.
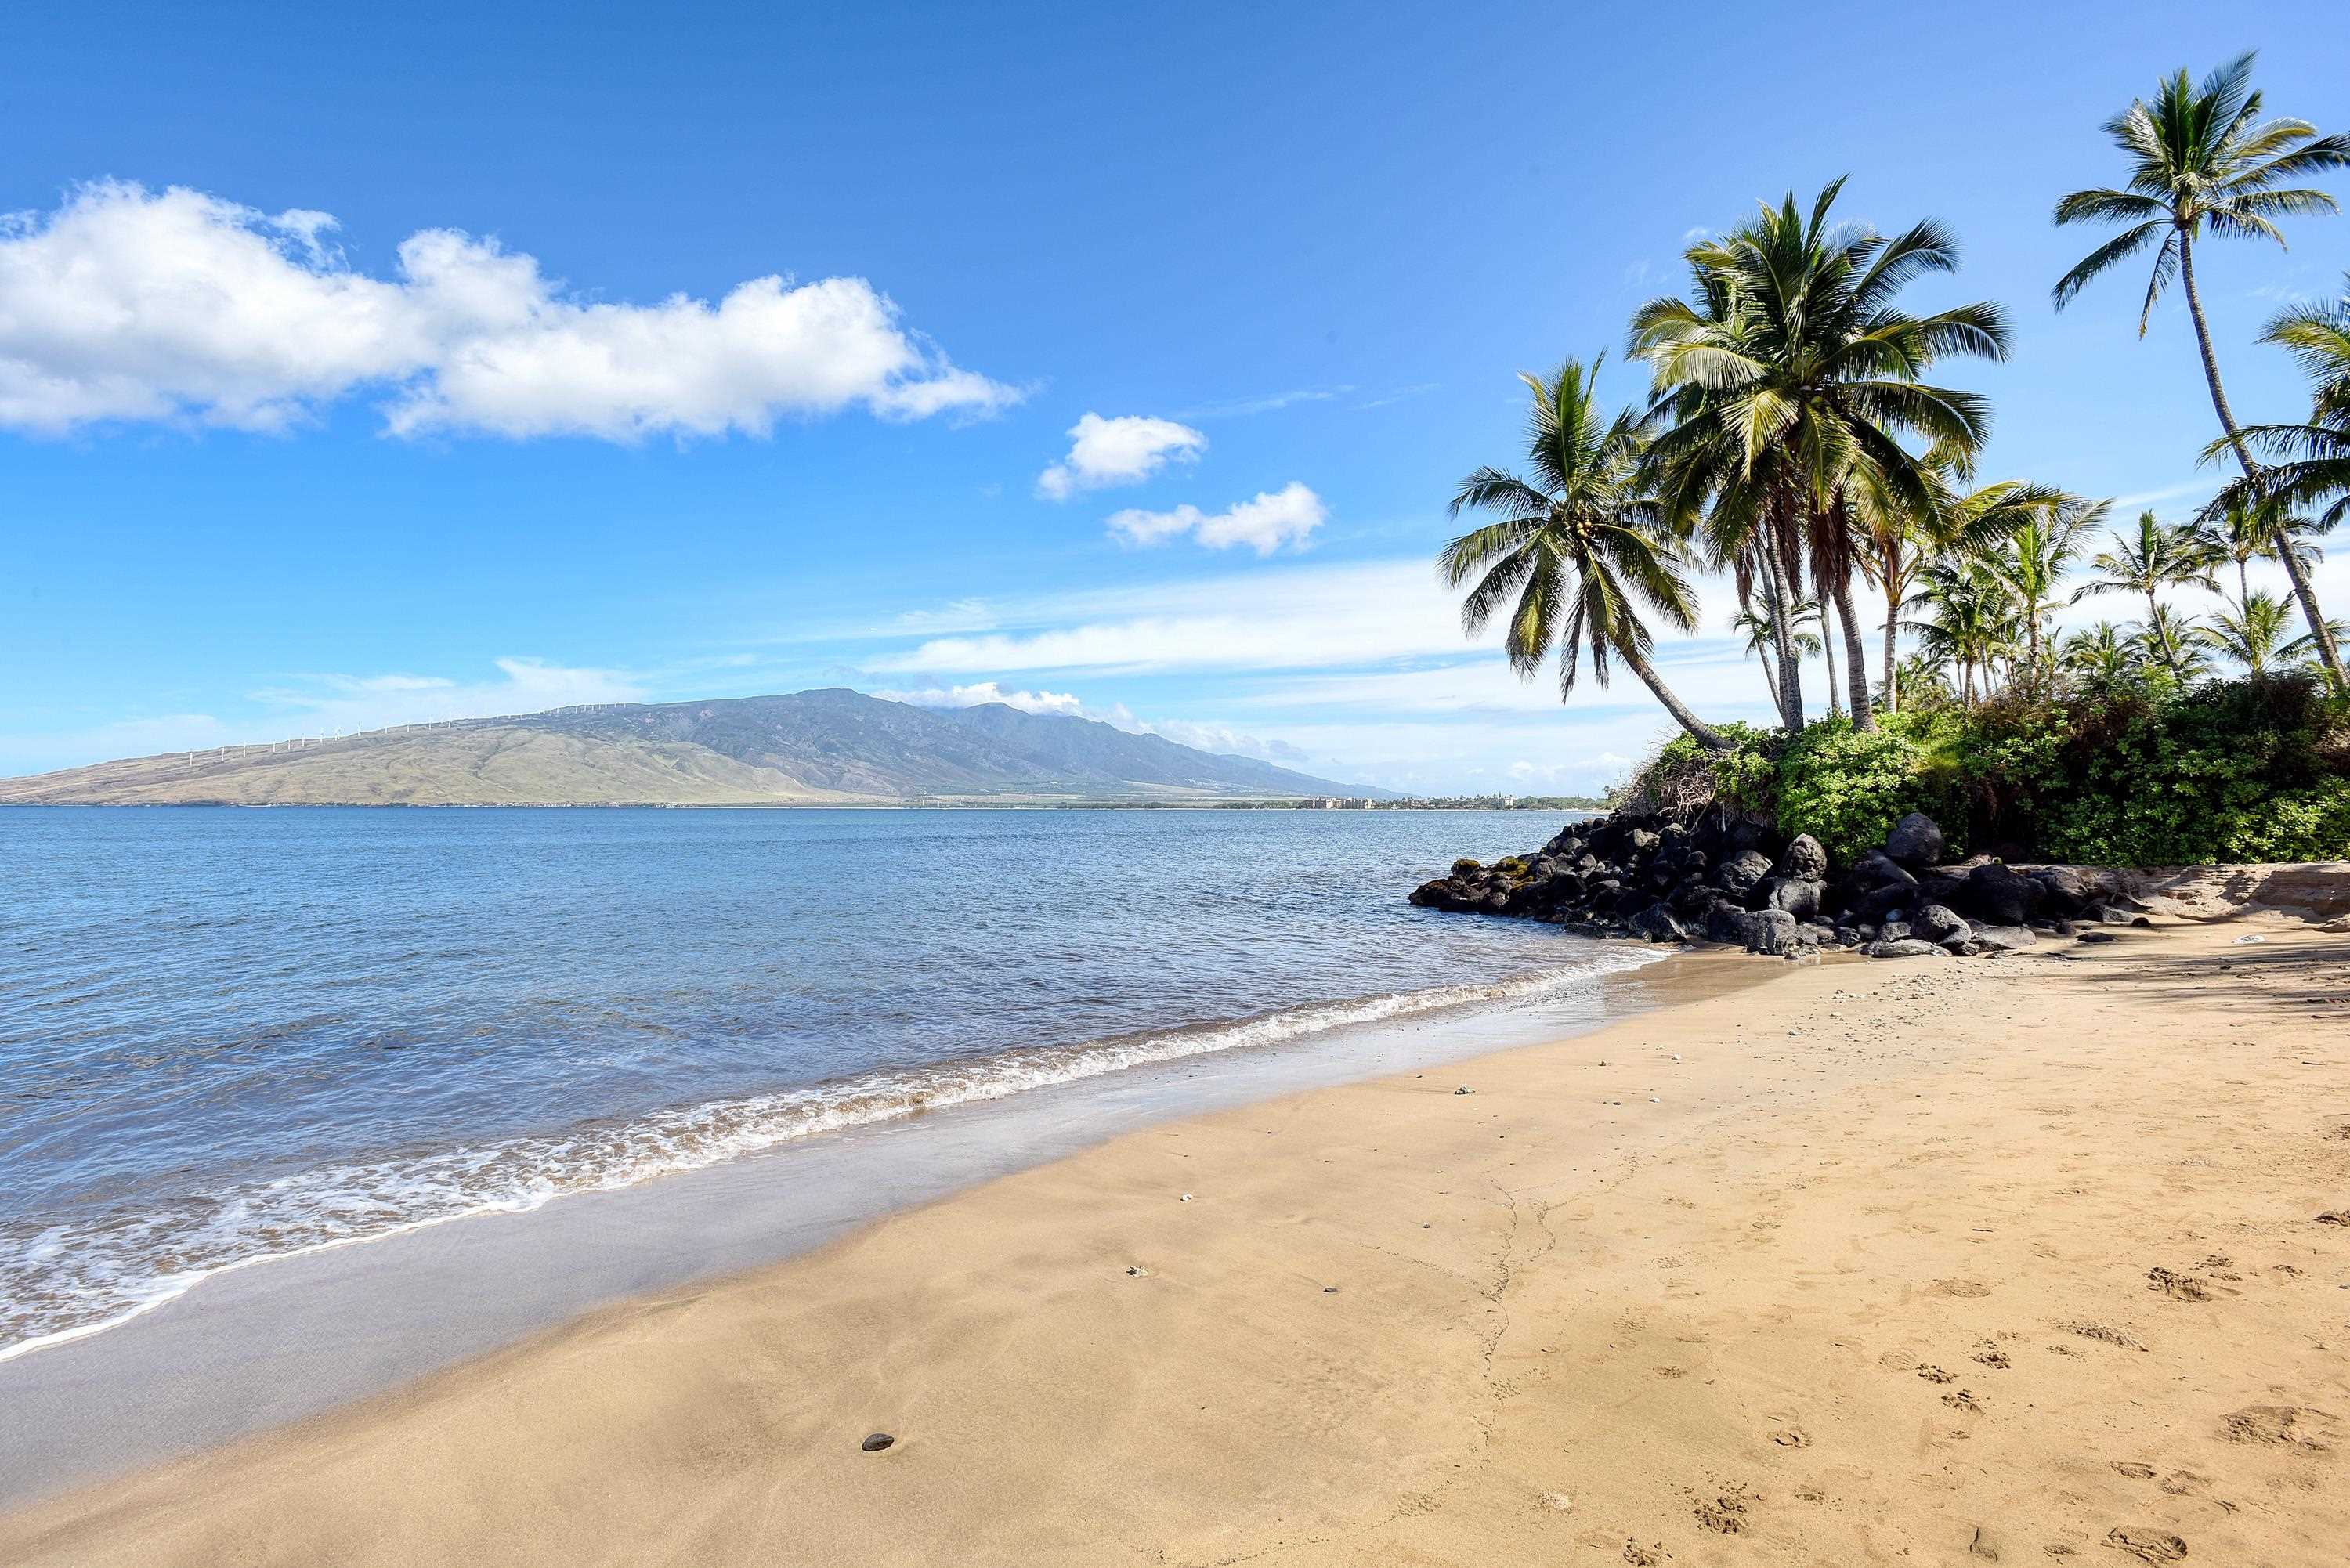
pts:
pixel 2159 555
pixel 1790 381
pixel 2201 160
pixel 1578 547
pixel 2254 633
pixel 2314 469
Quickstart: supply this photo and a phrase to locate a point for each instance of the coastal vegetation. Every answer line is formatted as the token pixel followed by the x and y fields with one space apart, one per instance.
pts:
pixel 1798 442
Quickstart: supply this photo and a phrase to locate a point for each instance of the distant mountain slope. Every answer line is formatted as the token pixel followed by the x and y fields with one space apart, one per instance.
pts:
pixel 811 748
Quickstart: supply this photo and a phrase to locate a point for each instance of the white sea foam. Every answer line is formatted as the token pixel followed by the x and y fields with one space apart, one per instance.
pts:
pixel 59 1285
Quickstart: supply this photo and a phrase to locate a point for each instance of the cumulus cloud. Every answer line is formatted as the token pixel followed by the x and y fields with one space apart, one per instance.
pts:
pixel 1284 517
pixel 179 308
pixel 1127 450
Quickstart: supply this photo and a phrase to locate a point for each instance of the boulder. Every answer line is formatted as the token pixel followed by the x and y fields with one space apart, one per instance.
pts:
pixel 1799 897
pixel 1939 923
pixel 1942 886
pixel 2003 939
pixel 1740 873
pixel 1909 947
pixel 1874 871
pixel 1897 931
pixel 1916 841
pixel 1757 930
pixel 1804 859
pixel 1658 925
pixel 1436 895
pixel 2063 892
pixel 2000 895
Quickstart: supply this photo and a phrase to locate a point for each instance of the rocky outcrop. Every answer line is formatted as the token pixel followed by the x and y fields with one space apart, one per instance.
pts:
pixel 1736 882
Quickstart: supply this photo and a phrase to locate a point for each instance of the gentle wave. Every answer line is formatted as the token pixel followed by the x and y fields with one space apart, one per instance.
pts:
pixel 59 1285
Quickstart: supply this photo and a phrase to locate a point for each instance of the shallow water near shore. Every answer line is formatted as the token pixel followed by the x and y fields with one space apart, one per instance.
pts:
pixel 227 1037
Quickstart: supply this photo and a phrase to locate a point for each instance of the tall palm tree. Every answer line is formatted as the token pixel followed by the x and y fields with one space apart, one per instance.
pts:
pixel 2201 160
pixel 2314 469
pixel 1790 381
pixel 2159 555
pixel 1578 547
pixel 2254 633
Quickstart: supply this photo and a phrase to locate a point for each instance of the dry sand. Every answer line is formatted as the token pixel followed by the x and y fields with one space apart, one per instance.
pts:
pixel 2015 1260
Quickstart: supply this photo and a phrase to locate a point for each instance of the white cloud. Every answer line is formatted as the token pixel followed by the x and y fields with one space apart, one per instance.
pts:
pixel 1284 517
pixel 180 307
pixel 1127 450
pixel 984 691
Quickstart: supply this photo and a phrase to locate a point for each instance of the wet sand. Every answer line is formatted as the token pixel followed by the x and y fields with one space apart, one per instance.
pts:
pixel 2026 1259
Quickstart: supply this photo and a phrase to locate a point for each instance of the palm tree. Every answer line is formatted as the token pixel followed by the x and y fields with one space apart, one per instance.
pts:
pixel 2246 533
pixel 1579 546
pixel 2027 536
pixel 1790 381
pixel 2253 634
pixel 2174 641
pixel 1760 628
pixel 2202 160
pixel 2159 556
pixel 2099 657
pixel 2315 469
pixel 1971 619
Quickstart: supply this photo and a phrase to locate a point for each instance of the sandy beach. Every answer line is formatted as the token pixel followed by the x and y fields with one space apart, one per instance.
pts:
pixel 2040 1257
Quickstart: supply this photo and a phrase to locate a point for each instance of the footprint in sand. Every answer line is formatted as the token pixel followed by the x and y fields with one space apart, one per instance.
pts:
pixel 1725 1514
pixel 2133 1469
pixel 2103 1334
pixel 2178 1287
pixel 1960 1399
pixel 2148 1545
pixel 1990 1355
pixel 1936 1374
pixel 2281 1426
pixel 1792 1438
pixel 1640 1556
pixel 1967 1290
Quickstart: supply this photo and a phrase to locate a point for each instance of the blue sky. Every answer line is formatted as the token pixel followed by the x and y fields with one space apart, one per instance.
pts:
pixel 268 476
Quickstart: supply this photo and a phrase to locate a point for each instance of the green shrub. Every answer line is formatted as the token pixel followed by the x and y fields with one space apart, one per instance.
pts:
pixel 2224 771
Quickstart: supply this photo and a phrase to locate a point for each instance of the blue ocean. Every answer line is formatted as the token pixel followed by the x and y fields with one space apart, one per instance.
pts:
pixel 227 1035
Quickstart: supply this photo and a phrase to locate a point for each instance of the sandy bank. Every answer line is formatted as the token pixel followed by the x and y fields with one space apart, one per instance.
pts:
pixel 1879 1263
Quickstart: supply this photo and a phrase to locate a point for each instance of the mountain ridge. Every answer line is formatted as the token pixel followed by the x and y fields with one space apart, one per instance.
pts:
pixel 828 746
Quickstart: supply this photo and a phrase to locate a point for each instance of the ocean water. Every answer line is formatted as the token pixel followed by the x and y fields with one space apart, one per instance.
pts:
pixel 230 1036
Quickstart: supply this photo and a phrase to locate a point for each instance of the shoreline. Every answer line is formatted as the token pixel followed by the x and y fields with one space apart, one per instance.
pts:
pixel 265 1341
pixel 2014 1254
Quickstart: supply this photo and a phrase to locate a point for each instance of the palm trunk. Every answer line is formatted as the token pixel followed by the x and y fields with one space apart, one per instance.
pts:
pixel 1705 734
pixel 1855 657
pixel 1892 633
pixel 1827 649
pixel 1770 671
pixel 2327 654
pixel 1790 674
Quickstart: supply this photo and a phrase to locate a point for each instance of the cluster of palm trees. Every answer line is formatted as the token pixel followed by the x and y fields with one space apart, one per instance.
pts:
pixel 1796 440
